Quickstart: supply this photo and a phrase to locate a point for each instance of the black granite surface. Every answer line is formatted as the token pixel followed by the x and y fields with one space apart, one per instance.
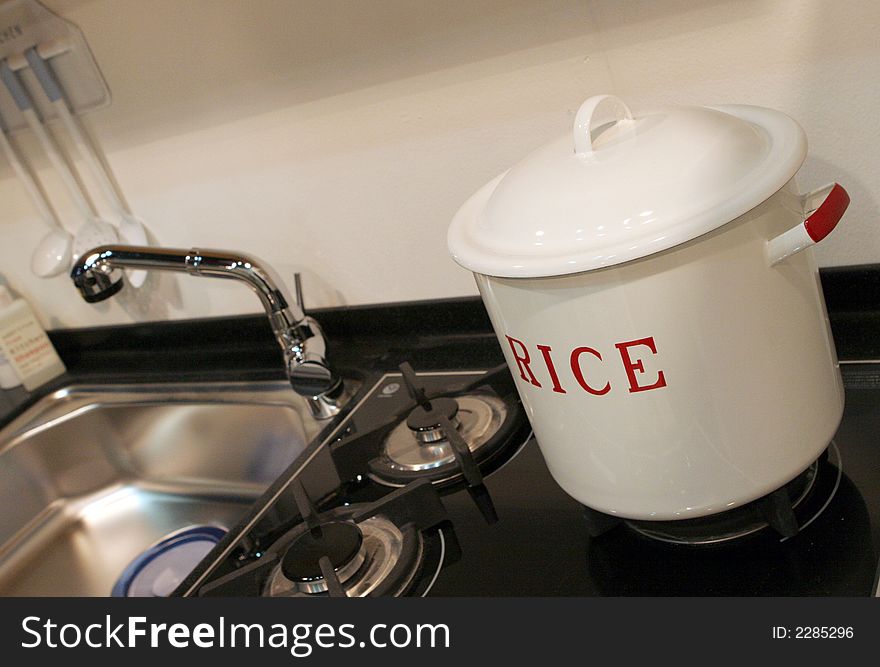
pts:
pixel 852 294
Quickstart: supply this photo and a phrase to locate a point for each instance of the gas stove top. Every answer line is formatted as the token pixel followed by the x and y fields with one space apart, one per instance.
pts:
pixel 433 485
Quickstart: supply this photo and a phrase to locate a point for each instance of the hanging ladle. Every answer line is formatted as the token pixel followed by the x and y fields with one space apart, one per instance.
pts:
pixel 131 229
pixel 93 231
pixel 53 253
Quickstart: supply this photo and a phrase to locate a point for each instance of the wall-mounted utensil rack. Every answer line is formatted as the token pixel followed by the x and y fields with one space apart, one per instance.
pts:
pixel 27 23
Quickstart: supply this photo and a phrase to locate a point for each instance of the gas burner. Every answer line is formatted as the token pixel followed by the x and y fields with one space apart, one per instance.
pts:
pixel 452 440
pixel 424 420
pixel 341 542
pixel 366 556
pixel 786 511
pixel 420 447
pixel 392 547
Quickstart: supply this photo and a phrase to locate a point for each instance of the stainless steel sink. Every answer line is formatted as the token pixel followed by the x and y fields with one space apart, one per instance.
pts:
pixel 91 476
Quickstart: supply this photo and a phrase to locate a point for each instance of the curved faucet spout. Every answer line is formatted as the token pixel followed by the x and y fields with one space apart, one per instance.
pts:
pixel 98 276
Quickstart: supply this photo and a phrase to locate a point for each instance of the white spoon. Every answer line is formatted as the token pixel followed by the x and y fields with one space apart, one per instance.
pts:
pixel 52 254
pixel 131 229
pixel 93 230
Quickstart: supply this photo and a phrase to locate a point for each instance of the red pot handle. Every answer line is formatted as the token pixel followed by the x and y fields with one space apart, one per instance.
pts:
pixel 818 224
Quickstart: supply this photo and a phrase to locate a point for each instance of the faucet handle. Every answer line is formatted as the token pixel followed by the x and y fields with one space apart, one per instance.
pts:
pixel 297 290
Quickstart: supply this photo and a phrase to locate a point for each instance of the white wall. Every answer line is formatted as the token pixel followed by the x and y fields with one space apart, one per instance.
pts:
pixel 338 138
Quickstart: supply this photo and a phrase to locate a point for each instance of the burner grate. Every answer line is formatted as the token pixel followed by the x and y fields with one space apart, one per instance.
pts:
pixel 366 549
pixel 786 511
pixel 453 439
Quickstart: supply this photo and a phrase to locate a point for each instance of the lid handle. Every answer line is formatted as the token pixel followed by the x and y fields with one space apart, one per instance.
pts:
pixel 583 121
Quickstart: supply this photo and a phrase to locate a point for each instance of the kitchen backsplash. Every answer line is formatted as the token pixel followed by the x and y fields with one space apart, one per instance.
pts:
pixel 338 138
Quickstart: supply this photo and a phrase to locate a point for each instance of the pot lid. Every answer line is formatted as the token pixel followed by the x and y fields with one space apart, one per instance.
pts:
pixel 160 569
pixel 625 189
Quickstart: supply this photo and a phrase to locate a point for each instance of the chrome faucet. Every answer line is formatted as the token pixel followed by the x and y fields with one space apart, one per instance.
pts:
pixel 98 276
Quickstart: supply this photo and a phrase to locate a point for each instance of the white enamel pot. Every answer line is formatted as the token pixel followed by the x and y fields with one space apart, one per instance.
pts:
pixel 652 286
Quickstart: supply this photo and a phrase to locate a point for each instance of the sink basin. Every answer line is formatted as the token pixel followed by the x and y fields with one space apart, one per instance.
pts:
pixel 92 476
